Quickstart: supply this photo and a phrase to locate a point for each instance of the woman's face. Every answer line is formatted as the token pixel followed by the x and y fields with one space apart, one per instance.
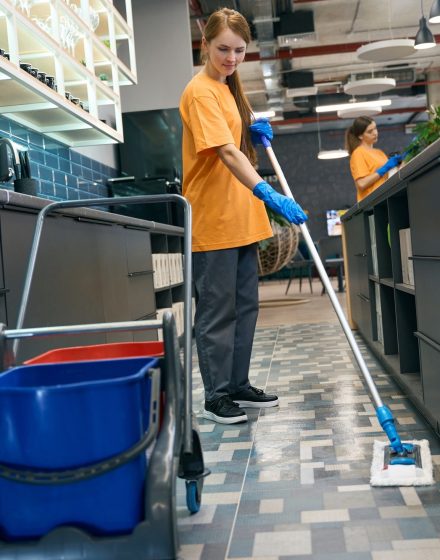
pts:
pixel 370 134
pixel 225 53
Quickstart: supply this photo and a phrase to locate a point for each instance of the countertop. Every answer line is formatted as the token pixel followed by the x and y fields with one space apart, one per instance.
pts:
pixel 12 200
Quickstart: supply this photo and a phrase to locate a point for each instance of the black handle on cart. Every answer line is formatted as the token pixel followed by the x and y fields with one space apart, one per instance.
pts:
pixel 187 274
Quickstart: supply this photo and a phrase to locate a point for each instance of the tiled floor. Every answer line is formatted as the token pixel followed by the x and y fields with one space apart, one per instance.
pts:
pixel 293 483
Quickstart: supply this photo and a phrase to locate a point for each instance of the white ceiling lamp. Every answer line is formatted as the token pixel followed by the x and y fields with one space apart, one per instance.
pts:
pixel 381 51
pixel 353 104
pixel 369 86
pixel 354 112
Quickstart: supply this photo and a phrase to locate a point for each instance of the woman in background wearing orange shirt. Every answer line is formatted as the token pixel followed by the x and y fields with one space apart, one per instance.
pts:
pixel 229 218
pixel 369 166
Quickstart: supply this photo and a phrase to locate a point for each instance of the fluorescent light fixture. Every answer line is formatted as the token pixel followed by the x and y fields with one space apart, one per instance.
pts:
pixel 301 92
pixel 332 154
pixel 357 104
pixel 290 126
pixel 434 14
pixel 264 114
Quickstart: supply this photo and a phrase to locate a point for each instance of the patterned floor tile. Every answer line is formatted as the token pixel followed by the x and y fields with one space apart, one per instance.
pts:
pixel 293 483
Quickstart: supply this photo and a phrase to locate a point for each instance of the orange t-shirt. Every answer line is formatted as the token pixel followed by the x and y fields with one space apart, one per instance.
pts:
pixel 225 213
pixel 363 162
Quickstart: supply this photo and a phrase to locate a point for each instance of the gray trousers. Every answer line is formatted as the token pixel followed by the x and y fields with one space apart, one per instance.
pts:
pixel 226 283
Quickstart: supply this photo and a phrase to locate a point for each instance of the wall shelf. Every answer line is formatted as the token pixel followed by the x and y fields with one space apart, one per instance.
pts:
pixel 406 288
pixel 41 37
pixel 387 282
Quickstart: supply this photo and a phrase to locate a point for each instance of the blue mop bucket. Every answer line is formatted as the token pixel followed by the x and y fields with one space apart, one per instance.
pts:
pixel 66 416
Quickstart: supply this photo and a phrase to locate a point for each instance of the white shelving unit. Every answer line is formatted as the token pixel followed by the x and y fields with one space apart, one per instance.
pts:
pixel 87 46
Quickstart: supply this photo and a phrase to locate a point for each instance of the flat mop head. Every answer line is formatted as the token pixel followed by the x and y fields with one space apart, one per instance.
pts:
pixel 384 473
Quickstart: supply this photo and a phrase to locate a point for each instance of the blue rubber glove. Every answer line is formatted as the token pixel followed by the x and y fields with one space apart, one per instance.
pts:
pixel 284 205
pixel 259 128
pixel 394 161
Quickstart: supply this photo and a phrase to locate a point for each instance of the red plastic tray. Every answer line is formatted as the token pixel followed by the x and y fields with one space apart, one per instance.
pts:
pixel 99 352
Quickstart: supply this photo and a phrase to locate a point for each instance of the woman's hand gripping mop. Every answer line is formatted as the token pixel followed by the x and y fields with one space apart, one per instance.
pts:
pixel 395 463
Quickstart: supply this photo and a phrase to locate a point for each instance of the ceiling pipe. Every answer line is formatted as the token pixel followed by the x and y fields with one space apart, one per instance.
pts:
pixel 301 52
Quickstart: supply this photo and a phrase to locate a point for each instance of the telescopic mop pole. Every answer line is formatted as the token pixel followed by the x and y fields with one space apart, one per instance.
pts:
pixel 383 413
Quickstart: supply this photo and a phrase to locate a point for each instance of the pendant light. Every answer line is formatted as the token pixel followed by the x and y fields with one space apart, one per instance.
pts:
pixel 388 49
pixel 434 14
pixel 424 38
pixel 328 154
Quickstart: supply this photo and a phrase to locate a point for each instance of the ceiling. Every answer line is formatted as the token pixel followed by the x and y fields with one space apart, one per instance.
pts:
pixel 329 51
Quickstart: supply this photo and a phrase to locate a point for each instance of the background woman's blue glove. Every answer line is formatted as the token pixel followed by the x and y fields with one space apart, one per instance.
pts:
pixel 284 205
pixel 394 161
pixel 259 128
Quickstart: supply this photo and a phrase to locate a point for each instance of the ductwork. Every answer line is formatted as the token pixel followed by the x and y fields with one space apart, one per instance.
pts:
pixel 263 24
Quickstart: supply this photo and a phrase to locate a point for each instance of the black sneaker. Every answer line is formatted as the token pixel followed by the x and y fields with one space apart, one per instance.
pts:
pixel 254 398
pixel 224 411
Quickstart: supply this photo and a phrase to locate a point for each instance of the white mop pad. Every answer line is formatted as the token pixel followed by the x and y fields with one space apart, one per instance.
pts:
pixel 401 475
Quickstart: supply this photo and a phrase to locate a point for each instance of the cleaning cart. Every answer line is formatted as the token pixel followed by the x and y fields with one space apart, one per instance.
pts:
pixel 105 485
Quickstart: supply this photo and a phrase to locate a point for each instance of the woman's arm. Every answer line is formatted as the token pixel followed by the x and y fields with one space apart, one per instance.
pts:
pixel 239 165
pixel 366 182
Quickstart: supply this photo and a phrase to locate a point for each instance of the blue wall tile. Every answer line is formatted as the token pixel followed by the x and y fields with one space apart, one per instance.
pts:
pixel 45 173
pixel 51 160
pixel 61 173
pixel 65 165
pixel 5 126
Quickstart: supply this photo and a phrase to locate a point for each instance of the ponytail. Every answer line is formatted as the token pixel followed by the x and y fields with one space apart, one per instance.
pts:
pixel 352 134
pixel 245 111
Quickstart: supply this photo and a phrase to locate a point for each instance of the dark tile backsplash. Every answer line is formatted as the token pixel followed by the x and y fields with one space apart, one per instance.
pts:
pixel 61 173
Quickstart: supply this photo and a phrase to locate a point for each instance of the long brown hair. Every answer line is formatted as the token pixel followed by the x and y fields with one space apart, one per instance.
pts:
pixel 217 22
pixel 352 133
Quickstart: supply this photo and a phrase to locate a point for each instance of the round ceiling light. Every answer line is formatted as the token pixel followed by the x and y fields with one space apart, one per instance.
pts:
pixel 361 111
pixel 380 51
pixel 369 86
pixel 332 154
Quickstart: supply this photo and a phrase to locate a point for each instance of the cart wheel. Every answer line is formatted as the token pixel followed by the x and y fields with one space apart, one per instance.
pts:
pixel 194 494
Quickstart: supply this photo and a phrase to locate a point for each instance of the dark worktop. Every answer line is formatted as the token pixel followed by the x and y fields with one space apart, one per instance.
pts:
pixel 12 200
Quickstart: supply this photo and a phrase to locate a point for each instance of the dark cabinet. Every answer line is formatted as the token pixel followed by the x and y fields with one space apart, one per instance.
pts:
pixel 393 253
pixel 355 239
pixel 86 271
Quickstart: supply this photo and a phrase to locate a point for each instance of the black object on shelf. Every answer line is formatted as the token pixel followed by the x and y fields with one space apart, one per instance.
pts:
pixel 26 185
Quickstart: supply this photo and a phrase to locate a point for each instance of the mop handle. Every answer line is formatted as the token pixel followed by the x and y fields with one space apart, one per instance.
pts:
pixel 325 279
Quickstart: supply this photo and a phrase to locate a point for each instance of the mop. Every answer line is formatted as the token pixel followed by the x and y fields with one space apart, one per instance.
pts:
pixel 395 463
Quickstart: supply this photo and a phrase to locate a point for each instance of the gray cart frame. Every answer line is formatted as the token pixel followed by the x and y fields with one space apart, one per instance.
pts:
pixel 177 450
